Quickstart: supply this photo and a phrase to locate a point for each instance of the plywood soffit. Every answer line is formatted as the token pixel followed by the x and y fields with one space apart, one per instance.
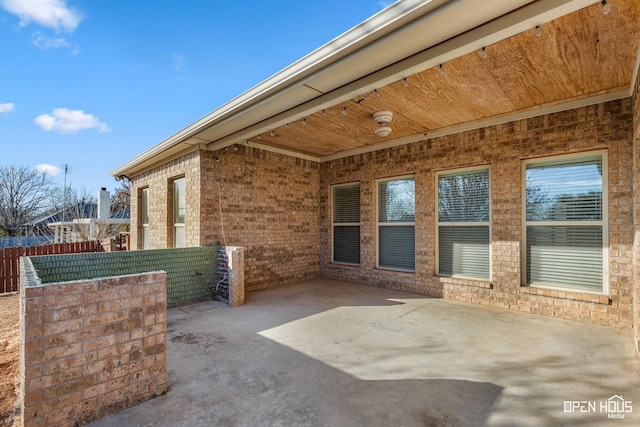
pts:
pixel 579 56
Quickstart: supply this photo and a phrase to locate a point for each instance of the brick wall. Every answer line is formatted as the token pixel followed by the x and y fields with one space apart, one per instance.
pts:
pixel 269 204
pixel 503 147
pixel 159 182
pixel 270 207
pixel 91 348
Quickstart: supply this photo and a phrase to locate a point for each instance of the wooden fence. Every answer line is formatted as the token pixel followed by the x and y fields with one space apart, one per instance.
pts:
pixel 10 259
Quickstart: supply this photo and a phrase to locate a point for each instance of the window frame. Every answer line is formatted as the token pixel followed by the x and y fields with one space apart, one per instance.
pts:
pixel 438 223
pixel 603 222
pixel 380 224
pixel 144 213
pixel 175 208
pixel 345 224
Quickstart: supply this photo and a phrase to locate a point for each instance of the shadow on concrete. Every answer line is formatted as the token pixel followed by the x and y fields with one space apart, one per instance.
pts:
pixel 323 352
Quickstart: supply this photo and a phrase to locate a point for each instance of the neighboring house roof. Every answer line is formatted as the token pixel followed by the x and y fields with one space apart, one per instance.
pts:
pixel 79 211
pixel 391 62
pixel 123 214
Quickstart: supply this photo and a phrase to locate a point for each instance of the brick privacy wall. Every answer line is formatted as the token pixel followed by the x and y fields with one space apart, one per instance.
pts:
pixel 604 126
pixel 91 348
pixel 191 272
pixel 159 181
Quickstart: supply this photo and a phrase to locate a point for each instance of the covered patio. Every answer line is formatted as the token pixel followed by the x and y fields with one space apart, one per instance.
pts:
pixel 326 352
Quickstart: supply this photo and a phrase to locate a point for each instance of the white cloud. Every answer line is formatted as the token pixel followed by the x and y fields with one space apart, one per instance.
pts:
pixel 179 61
pixel 44 42
pixel 7 107
pixel 53 14
pixel 47 169
pixel 64 120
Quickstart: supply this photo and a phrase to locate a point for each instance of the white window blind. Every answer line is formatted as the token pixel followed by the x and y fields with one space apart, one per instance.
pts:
pixel 464 211
pixel 565 238
pixel 346 223
pixel 396 224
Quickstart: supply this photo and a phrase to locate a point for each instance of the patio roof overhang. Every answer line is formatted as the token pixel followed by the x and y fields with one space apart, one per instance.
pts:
pixel 392 60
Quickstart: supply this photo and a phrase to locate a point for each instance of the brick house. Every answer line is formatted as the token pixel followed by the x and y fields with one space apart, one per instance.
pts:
pixel 510 176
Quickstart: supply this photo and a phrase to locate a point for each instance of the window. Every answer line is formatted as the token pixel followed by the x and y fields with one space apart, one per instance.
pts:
pixel 179 211
pixel 565 218
pixel 464 210
pixel 346 223
pixel 144 217
pixel 396 224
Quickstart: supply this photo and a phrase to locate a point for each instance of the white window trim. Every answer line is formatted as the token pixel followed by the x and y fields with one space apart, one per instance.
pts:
pixel 343 224
pixel 177 225
pixel 604 223
pixel 463 224
pixel 144 225
pixel 398 224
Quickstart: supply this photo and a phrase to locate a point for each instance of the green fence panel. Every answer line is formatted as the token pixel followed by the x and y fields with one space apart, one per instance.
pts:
pixel 191 272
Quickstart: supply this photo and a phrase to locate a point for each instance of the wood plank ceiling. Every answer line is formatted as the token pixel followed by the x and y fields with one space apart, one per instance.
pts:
pixel 577 56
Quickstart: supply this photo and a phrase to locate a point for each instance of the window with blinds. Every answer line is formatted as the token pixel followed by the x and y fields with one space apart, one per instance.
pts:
pixel 566 236
pixel 396 224
pixel 464 211
pixel 346 223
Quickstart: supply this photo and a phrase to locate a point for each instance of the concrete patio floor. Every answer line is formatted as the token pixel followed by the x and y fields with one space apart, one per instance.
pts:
pixel 323 352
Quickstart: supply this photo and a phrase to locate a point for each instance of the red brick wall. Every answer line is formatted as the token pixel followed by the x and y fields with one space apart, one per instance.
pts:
pixel 503 147
pixel 92 348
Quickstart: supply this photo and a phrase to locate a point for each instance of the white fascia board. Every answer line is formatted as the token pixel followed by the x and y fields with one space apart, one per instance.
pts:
pixel 494 31
pixel 366 32
pixel 271 94
pixel 439 25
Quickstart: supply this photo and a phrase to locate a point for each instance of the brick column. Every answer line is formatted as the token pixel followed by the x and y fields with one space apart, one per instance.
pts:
pixel 235 259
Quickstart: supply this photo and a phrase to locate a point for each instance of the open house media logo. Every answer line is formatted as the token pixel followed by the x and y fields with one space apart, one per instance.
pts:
pixel 615 407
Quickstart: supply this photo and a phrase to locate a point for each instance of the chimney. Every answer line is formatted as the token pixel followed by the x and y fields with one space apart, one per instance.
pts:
pixel 104 204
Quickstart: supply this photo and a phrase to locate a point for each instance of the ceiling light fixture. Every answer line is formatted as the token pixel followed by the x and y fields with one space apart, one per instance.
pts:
pixel 382 119
pixel 606 7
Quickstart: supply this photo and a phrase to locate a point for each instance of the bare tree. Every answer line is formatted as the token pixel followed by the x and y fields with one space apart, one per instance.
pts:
pixel 74 203
pixel 24 193
pixel 464 197
pixel 121 199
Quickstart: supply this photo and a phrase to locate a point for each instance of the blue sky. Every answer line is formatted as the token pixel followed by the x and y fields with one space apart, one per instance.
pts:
pixel 93 83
